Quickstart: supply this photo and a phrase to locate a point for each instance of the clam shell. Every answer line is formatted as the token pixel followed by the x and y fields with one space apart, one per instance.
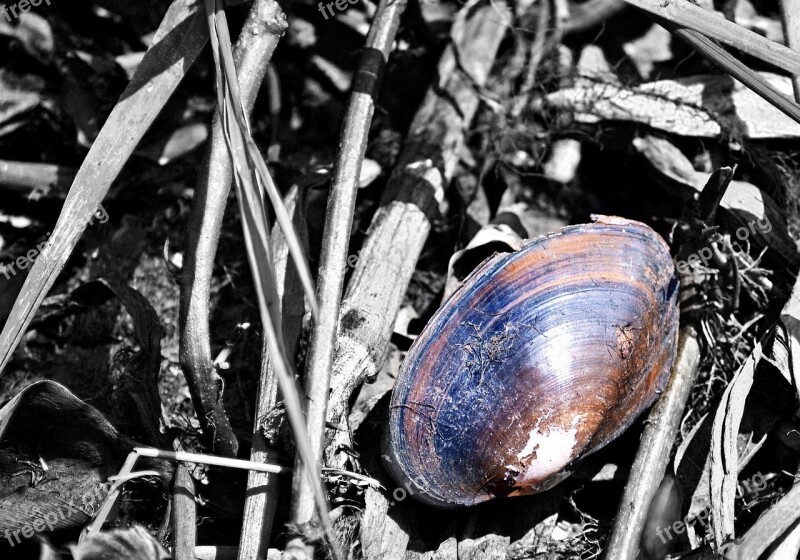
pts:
pixel 543 356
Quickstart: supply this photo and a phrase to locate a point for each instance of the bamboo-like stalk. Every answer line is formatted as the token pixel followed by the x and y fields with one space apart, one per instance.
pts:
pixel 265 25
pixel 714 26
pixel 184 515
pixel 401 225
pixel 338 223
pixel 790 13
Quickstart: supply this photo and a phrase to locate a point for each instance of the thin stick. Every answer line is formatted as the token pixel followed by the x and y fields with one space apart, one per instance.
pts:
pixel 338 223
pixel 790 13
pixel 211 460
pixel 100 517
pixel 125 474
pixel 714 26
pixel 654 451
pixel 664 420
pixel 260 35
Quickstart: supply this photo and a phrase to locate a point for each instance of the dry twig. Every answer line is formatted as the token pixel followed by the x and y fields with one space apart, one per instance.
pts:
pixel 258 40
pixel 790 11
pixel 336 237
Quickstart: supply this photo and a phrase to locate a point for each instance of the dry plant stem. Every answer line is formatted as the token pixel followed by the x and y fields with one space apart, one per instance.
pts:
pixel 108 503
pixel 790 12
pixel 262 488
pixel 401 225
pixel 648 469
pixel 264 26
pixel 229 553
pixel 184 515
pixel 125 474
pixel 714 26
pixel 735 68
pixel 336 236
pixel 261 497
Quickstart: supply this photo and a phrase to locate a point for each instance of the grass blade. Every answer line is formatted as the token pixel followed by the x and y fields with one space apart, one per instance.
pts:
pixel 178 41
pixel 250 181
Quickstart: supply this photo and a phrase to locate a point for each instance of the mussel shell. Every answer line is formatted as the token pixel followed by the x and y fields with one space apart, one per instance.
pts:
pixel 543 356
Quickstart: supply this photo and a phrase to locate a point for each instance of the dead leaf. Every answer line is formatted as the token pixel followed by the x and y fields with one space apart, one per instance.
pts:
pixel 724 452
pixel 707 106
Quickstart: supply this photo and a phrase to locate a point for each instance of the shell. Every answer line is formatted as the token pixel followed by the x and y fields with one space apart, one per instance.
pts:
pixel 543 356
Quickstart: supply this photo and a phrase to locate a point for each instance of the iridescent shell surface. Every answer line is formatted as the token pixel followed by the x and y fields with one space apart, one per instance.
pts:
pixel 543 356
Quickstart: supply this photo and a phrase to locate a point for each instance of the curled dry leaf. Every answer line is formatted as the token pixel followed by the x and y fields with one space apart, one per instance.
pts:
pixel 56 452
pixel 724 453
pixel 497 237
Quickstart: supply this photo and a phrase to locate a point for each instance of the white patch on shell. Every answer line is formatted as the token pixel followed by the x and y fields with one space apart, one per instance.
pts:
pixel 553 450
